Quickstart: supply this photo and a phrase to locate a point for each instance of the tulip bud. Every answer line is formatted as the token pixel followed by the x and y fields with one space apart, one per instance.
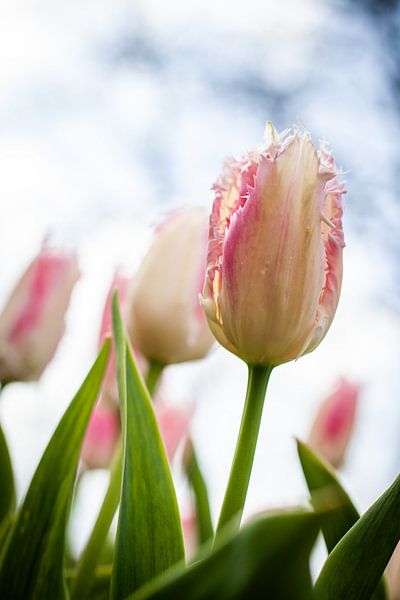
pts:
pixel 173 422
pixel 275 250
pixel 101 437
pixel 32 322
pixel 334 423
pixel 190 533
pixel 165 322
pixel 109 392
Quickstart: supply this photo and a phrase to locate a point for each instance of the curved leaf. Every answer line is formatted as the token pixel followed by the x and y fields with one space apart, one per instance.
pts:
pixel 268 558
pixel 149 535
pixel 7 496
pixel 32 565
pixel 326 489
pixel 356 564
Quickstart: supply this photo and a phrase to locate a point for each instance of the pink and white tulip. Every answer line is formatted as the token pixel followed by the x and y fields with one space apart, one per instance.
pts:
pixel 165 322
pixel 33 320
pixel 274 268
pixel 101 437
pixel 334 423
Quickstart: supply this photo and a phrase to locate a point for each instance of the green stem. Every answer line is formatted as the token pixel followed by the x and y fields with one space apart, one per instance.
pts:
pixel 95 544
pixel 153 375
pixel 199 487
pixel 236 491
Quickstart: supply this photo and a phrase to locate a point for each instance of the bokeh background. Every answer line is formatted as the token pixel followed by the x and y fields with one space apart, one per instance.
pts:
pixel 112 114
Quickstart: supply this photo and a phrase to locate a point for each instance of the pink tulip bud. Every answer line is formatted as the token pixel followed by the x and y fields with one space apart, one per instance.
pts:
pixel 275 250
pixel 110 388
pixel 190 533
pixel 334 423
pixel 165 321
pixel 32 322
pixel 101 437
pixel 173 422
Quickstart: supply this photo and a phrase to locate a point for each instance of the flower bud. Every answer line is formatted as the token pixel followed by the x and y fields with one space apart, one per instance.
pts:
pixel 32 322
pixel 333 425
pixel 165 321
pixel 109 393
pixel 274 267
pixel 101 437
pixel 173 422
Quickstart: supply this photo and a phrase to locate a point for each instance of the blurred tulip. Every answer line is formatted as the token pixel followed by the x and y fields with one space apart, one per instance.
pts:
pixel 32 322
pixel 275 250
pixel 109 393
pixel 165 322
pixel 101 437
pixel 334 423
pixel 173 422
pixel 190 533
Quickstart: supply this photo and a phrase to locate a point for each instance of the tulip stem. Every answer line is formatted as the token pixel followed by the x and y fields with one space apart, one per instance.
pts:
pixel 89 559
pixel 236 491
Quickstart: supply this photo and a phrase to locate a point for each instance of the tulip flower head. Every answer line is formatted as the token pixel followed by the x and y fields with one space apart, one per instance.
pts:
pixel 334 423
pixel 165 322
pixel 32 322
pixel 274 267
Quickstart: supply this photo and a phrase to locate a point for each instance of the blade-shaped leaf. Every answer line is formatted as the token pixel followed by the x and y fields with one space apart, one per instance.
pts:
pixel 325 489
pixel 197 482
pixel 149 535
pixel 356 564
pixel 32 565
pixel 268 558
pixel 7 495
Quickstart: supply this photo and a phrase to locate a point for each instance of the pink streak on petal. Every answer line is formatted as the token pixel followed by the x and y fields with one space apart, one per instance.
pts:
pixel 48 270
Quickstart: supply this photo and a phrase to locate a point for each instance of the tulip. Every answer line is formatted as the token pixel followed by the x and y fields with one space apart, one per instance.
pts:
pixel 173 422
pixel 332 428
pixel 165 322
pixel 101 437
pixel 274 267
pixel 32 322
pixel 109 393
pixel 274 271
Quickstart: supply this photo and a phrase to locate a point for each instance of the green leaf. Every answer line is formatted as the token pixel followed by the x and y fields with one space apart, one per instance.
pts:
pixel 32 566
pixel 7 495
pixel 268 558
pixel 149 535
pixel 197 482
pixel 356 564
pixel 325 489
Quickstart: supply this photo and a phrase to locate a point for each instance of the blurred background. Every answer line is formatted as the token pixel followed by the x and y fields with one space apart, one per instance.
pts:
pixel 112 114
